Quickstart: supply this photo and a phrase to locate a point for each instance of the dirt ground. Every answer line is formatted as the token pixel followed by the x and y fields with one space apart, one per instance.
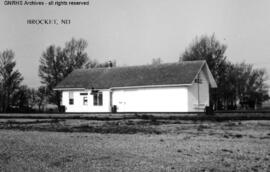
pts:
pixel 134 145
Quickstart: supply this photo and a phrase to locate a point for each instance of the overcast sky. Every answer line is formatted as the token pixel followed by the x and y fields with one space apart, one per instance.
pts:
pixel 133 32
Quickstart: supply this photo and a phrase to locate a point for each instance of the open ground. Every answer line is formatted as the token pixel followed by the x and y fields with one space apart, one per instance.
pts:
pixel 134 145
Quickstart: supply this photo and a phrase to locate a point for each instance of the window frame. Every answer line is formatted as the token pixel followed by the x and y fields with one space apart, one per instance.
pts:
pixel 71 98
pixel 98 99
pixel 85 100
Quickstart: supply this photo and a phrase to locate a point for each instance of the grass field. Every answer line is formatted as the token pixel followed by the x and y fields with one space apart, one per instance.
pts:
pixel 134 145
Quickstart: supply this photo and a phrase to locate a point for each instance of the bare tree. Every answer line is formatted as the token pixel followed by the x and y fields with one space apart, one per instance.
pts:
pixel 10 79
pixel 41 98
pixel 235 82
pixel 56 63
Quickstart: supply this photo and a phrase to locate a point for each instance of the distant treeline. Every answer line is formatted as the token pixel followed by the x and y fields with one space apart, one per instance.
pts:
pixel 239 85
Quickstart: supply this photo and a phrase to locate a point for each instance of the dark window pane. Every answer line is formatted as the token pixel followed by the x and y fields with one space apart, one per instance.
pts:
pixel 85 101
pixel 100 99
pixel 71 101
pixel 95 99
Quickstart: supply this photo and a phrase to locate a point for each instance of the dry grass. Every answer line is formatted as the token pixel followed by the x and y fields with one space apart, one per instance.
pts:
pixel 130 146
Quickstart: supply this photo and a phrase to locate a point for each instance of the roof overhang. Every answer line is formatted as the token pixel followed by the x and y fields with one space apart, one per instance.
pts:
pixel 151 86
pixel 63 89
pixel 128 87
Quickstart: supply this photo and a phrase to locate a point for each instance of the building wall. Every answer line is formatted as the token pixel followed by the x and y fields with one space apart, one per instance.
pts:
pixel 203 94
pixel 78 105
pixel 161 99
pixel 166 99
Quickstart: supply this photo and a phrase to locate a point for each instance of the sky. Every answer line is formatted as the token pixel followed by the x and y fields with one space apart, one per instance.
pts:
pixel 133 32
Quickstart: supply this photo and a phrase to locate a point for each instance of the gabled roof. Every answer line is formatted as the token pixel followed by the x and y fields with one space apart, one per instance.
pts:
pixel 182 73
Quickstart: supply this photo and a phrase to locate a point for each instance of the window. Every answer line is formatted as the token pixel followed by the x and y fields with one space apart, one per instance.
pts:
pixel 83 94
pixel 85 101
pixel 98 99
pixel 71 98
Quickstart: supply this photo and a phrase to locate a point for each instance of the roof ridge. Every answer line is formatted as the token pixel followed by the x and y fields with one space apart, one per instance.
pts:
pixel 193 61
pixel 145 65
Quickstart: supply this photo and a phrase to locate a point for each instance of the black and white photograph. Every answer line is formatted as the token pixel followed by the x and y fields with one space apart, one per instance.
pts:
pixel 134 85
